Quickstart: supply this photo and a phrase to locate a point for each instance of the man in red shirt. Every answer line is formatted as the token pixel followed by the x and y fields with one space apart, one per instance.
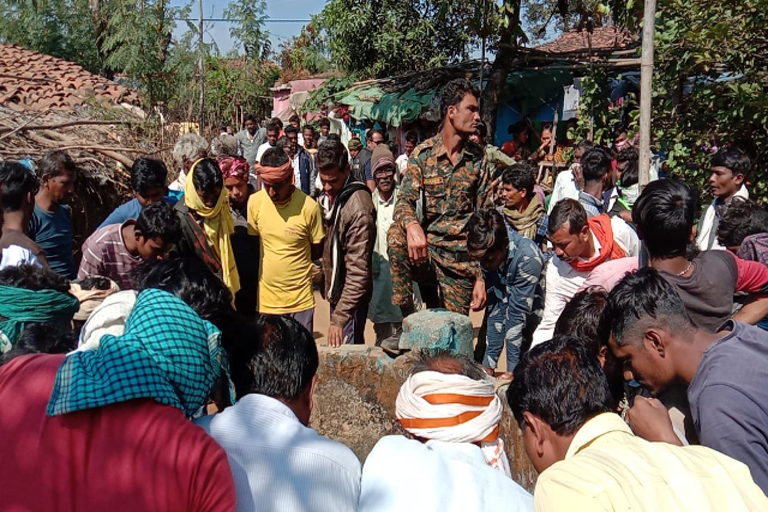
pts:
pixel 107 429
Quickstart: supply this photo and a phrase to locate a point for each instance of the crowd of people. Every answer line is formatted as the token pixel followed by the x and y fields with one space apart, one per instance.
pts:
pixel 181 351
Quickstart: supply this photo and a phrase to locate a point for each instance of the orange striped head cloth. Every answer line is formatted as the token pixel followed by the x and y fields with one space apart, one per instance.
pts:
pixel 455 409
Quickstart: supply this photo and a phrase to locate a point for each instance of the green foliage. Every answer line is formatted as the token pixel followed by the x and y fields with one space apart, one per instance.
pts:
pixel 249 29
pixel 541 16
pixel 305 52
pixel 323 95
pixel 137 42
pixel 377 38
pixel 598 116
pixel 709 84
pixel 61 28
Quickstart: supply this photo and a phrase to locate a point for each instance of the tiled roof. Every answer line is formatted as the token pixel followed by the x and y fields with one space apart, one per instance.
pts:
pixel 35 81
pixel 602 38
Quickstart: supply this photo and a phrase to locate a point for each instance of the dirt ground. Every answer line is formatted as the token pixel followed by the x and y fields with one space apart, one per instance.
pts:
pixel 323 315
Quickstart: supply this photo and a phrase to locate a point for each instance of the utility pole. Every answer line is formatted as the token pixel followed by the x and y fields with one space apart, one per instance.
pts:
pixel 646 92
pixel 201 70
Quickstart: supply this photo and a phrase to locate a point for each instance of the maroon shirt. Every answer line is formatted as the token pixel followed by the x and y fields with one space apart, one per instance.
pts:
pixel 137 455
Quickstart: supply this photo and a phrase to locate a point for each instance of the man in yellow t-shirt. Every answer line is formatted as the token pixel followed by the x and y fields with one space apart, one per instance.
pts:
pixel 290 227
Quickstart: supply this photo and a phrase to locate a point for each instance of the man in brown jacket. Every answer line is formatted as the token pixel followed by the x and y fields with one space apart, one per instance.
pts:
pixel 350 235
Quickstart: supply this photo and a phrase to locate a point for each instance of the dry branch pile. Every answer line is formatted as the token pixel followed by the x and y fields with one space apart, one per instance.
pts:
pixel 103 149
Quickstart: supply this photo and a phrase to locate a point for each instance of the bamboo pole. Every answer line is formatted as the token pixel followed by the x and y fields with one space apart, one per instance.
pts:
pixel 646 92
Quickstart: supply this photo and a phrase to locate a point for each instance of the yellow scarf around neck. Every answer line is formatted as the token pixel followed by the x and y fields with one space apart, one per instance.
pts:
pixel 219 225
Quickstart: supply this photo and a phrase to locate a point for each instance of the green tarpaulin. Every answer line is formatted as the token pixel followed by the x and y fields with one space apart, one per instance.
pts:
pixel 530 89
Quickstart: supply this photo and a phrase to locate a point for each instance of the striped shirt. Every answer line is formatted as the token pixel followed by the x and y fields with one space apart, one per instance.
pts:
pixel 105 254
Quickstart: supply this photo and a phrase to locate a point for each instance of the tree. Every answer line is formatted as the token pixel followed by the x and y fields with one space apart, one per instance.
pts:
pixel 61 28
pixel 709 84
pixel 137 41
pixel 378 38
pixel 250 16
pixel 305 52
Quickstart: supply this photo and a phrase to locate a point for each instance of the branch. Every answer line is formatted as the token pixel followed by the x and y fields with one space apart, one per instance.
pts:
pixel 62 125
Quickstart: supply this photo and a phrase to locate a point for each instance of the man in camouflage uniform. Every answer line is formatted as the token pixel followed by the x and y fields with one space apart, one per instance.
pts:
pixel 447 178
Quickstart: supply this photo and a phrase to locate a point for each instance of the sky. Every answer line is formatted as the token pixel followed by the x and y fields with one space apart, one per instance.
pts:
pixel 276 9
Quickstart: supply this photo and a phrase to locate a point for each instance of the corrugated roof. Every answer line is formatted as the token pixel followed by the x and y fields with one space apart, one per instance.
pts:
pixel 601 38
pixel 34 81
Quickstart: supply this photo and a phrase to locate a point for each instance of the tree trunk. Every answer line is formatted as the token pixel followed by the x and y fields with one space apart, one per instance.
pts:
pixel 502 65
pixel 494 89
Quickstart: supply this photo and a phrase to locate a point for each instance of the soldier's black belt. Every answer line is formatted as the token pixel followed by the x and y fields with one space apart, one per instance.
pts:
pixel 452 256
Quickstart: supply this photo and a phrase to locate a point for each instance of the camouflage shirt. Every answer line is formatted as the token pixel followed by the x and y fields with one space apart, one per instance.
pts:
pixel 451 192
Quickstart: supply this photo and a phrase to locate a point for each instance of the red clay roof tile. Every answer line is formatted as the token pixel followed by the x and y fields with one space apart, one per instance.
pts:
pixel 42 82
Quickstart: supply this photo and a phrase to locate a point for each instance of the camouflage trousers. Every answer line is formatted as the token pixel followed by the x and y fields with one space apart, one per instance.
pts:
pixel 455 279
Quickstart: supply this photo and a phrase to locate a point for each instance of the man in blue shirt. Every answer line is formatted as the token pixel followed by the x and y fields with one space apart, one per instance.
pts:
pixel 148 178
pixel 51 225
pixel 512 266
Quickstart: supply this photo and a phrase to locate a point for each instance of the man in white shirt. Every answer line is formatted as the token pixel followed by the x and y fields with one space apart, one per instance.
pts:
pixel 568 183
pixel 411 140
pixel 580 245
pixel 443 466
pixel 273 133
pixel 277 461
pixel 386 317
pixel 726 181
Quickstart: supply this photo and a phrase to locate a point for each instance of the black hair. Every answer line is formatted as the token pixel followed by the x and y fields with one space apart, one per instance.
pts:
pixel 291 129
pixel 618 130
pixel 31 277
pixel 308 127
pixel 249 117
pixel 595 164
pixel 393 148
pixel 332 155
pixel 333 136
pixel 631 173
pixel 518 128
pixel 277 121
pixel 190 280
pixel 520 176
pixel 741 218
pixel 644 295
pixel 454 92
pixel 584 146
pixel 294 117
pixel 583 318
pixel 430 361
pixel 486 231
pixel 159 220
pixel 279 362
pixel 562 383
pixel 482 130
pixel 664 217
pixel 274 127
pixel 412 136
pixel 55 337
pixel 374 130
pixel 274 157
pixel 206 176
pixel 54 163
pixel 627 155
pixel 570 211
pixel 94 283
pixel 147 173
pixel 16 182
pixel 42 338
pixel 732 158
pixel 324 122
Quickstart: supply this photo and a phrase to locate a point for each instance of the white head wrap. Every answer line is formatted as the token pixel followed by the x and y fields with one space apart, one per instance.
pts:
pixel 454 409
pixel 108 318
